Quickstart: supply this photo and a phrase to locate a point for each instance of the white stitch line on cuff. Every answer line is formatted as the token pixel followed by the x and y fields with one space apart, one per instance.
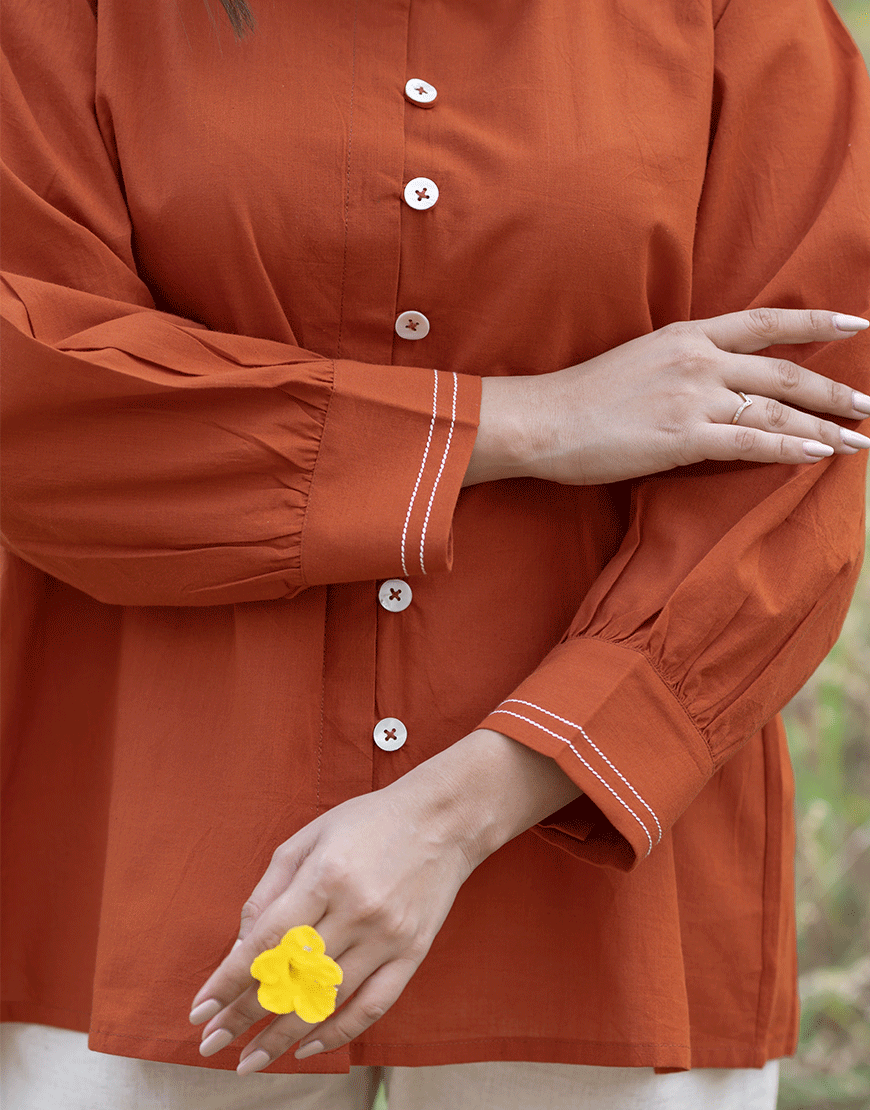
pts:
pixel 422 467
pixel 440 471
pixel 565 740
pixel 585 734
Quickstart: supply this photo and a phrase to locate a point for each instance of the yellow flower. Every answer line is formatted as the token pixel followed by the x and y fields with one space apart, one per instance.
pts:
pixel 298 975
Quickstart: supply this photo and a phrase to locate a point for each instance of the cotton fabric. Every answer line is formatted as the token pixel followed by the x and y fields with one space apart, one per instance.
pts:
pixel 53 1067
pixel 217 448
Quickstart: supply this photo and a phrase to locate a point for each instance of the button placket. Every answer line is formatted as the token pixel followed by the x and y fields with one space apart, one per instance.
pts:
pixel 395 594
pixel 420 193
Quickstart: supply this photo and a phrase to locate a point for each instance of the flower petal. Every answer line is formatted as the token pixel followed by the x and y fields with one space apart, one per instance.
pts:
pixel 277 998
pixel 307 939
pixel 298 975
pixel 315 1001
pixel 271 966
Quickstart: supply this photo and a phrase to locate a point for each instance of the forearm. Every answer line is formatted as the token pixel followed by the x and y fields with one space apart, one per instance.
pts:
pixel 486 789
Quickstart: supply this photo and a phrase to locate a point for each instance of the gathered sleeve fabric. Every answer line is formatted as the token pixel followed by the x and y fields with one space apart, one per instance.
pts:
pixel 732 582
pixel 150 460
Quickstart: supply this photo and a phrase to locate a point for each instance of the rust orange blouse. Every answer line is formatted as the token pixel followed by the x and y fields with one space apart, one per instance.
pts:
pixel 222 439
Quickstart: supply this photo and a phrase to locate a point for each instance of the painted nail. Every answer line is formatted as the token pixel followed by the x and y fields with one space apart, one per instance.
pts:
pixel 214 1042
pixel 310 1049
pixel 861 402
pixel 817 450
pixel 205 1011
pixel 850 323
pixel 854 439
pixel 255 1062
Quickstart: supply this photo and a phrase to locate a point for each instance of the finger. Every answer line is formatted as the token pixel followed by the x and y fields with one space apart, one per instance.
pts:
pixel 245 1010
pixel 231 1022
pixel 786 381
pixel 285 862
pixel 757 328
pixel 770 415
pixel 283 1033
pixel 364 968
pixel 357 966
pixel 282 868
pixel 368 1005
pixel 298 906
pixel 729 442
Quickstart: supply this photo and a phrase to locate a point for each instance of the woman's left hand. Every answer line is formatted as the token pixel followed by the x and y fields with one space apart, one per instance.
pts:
pixel 376 876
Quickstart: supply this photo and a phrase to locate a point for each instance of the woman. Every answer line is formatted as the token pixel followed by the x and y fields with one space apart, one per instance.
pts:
pixel 303 625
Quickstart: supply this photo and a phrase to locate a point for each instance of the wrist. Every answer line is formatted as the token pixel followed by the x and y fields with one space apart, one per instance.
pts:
pixel 504 446
pixel 486 789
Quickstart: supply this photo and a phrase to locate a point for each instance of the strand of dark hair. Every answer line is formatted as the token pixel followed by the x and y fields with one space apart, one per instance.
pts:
pixel 240 16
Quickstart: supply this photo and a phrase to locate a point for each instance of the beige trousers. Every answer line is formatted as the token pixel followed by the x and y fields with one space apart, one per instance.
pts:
pixel 52 1069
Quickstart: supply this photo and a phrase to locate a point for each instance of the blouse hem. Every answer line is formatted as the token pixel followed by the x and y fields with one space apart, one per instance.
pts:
pixel 662 1057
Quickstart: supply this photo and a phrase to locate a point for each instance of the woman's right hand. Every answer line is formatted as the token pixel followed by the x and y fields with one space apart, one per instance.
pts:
pixel 668 399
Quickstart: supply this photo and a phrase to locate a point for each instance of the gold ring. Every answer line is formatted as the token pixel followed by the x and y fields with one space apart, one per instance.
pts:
pixel 745 405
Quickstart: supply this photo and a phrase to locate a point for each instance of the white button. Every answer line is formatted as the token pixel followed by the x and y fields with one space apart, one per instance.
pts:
pixel 412 325
pixel 390 734
pixel 395 595
pixel 421 92
pixel 421 193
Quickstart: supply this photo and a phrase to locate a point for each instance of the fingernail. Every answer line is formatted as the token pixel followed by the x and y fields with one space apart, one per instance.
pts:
pixel 205 1011
pixel 254 1062
pixel 850 323
pixel 310 1049
pixel 236 945
pixel 861 402
pixel 817 450
pixel 214 1042
pixel 853 439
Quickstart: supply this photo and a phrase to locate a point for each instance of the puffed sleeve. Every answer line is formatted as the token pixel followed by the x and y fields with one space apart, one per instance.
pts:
pixel 732 582
pixel 148 460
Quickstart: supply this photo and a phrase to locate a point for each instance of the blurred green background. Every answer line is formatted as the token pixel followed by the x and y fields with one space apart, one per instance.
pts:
pixel 828 726
pixel 856 15
pixel 829 734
